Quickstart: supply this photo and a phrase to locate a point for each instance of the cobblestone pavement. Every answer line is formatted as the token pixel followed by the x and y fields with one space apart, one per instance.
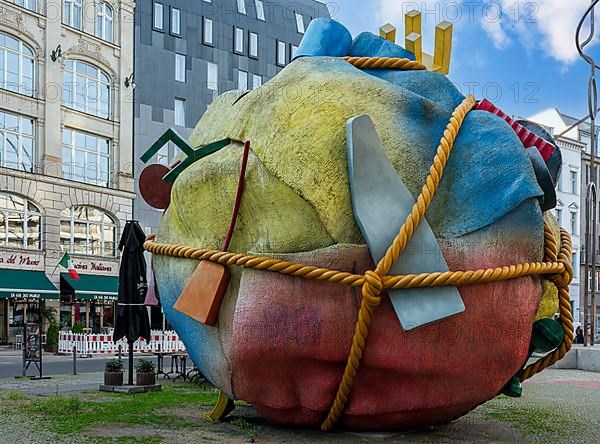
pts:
pixel 557 406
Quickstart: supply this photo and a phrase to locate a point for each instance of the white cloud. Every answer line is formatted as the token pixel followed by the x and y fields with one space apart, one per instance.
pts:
pixel 495 32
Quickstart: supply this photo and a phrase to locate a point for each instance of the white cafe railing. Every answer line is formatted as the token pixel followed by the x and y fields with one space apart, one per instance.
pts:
pixel 88 344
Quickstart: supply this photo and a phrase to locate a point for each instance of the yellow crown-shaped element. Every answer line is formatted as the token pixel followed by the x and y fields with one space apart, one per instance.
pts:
pixel 440 61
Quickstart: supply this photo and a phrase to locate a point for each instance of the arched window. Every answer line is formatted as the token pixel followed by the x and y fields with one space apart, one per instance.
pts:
pixel 16 65
pixel 72 13
pixel 88 230
pixel 104 25
pixel 86 88
pixel 20 222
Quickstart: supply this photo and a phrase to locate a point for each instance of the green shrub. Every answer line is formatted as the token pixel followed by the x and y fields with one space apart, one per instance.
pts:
pixel 77 327
pixel 113 366
pixel 144 366
pixel 52 334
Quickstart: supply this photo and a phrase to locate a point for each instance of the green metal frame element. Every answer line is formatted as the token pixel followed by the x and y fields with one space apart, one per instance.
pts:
pixel 193 154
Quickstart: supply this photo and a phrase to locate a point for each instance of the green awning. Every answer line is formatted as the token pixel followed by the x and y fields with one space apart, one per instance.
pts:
pixel 24 284
pixel 90 287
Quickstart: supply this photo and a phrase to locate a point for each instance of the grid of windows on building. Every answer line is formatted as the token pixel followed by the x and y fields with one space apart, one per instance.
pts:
pixel 20 222
pixel 179 112
pixel 175 21
pixel 86 88
pixel 180 67
pixel 72 12
pixel 16 65
pixel 28 4
pixel 86 157
pixel 88 230
pixel 158 16
pixel 104 23
pixel 17 141
pixel 207 34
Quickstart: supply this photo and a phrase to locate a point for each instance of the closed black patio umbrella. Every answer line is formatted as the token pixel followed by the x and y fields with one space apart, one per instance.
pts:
pixel 132 316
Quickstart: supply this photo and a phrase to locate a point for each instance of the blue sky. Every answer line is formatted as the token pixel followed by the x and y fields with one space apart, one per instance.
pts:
pixel 520 55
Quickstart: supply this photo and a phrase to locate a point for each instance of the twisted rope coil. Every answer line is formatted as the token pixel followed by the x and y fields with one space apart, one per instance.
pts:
pixel 556 265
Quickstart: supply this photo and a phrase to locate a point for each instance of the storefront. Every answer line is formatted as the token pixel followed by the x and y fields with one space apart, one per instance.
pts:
pixel 89 300
pixel 22 292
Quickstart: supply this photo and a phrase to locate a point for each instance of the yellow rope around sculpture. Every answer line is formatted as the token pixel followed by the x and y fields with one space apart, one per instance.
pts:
pixel 385 63
pixel 556 266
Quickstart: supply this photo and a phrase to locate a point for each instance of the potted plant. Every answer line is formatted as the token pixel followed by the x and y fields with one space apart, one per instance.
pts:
pixel 113 372
pixel 52 338
pixel 77 327
pixel 144 373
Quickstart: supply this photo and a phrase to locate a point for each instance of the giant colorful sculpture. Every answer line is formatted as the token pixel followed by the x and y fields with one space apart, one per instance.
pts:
pixel 357 243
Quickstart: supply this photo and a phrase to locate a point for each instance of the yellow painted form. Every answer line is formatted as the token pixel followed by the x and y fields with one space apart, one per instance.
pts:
pixel 388 32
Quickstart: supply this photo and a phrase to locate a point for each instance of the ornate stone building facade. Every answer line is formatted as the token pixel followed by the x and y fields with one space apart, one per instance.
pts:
pixel 66 172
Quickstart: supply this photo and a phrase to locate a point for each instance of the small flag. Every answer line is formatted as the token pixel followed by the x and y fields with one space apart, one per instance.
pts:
pixel 67 263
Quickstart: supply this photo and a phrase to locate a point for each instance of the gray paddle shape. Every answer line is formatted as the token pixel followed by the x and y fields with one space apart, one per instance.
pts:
pixel 381 203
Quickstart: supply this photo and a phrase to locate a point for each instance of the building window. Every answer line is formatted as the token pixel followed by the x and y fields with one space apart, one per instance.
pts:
pixel 86 158
pixel 558 214
pixel 573 180
pixel 175 21
pixel 573 222
pixel 299 23
pixel 242 80
pixel 207 34
pixel 260 10
pixel 575 266
pixel 158 16
pixel 238 40
pixel 253 52
pixel 104 25
pixel 72 13
pixel 293 51
pixel 559 186
pixel 180 112
pixel 256 81
pixel 16 65
pixel 20 223
pixel 281 53
pixel 86 88
pixel 212 76
pixel 241 5
pixel 28 4
pixel 88 230
pixel 16 142
pixel 180 67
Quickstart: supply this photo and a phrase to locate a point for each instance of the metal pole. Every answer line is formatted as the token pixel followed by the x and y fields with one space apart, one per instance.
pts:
pixel 591 213
pixel 120 352
pixel 130 343
pixel 74 359
pixel 24 343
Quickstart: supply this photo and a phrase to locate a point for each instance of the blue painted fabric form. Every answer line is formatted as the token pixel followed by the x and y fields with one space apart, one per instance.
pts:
pixel 499 175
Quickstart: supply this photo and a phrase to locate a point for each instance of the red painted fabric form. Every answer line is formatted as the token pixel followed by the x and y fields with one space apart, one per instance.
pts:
pixel 527 137
pixel 292 336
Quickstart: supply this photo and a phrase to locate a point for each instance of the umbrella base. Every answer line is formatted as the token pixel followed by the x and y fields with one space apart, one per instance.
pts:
pixel 130 388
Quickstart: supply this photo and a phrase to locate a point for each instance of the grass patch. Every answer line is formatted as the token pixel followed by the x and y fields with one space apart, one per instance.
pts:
pixel 533 421
pixel 250 430
pixel 16 396
pixel 67 415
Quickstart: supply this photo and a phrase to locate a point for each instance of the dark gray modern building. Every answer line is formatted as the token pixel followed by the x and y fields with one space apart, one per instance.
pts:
pixel 188 52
